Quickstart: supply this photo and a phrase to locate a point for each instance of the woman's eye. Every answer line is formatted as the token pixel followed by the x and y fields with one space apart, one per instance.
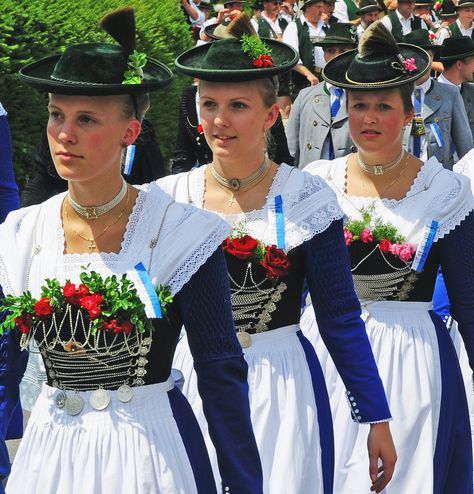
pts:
pixel 54 115
pixel 239 105
pixel 85 119
pixel 207 104
pixel 384 107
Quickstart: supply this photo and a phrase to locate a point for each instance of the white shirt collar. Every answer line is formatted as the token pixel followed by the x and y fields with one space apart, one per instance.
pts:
pixel 444 80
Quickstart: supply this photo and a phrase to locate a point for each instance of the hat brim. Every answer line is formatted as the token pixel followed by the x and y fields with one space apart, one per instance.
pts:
pixel 283 55
pixel 335 71
pixel 459 56
pixel 327 41
pixel 38 75
pixel 369 9
pixel 464 5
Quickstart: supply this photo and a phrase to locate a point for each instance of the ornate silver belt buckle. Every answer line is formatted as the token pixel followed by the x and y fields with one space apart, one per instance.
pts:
pixel 74 404
pixel 245 339
pixel 124 393
pixel 99 399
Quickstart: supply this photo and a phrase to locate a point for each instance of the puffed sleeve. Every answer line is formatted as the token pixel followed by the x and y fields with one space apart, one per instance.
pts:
pixel 12 367
pixel 338 313
pixel 221 371
pixel 457 264
pixel 9 198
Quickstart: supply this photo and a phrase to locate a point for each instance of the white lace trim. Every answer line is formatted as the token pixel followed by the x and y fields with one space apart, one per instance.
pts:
pixel 198 257
pixel 435 193
pixel 309 204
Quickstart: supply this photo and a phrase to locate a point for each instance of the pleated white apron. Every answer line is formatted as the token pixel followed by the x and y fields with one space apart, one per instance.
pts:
pixel 283 410
pixel 405 346
pixel 128 448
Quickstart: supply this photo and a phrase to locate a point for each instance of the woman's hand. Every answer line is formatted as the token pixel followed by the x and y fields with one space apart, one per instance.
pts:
pixel 380 445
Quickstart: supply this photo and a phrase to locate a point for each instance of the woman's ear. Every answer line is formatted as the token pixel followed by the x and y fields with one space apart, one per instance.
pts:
pixel 132 131
pixel 408 117
pixel 272 115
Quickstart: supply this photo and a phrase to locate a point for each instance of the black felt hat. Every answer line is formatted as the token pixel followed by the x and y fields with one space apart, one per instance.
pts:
pixel 366 6
pixel 339 33
pixel 423 3
pixel 309 2
pixel 448 9
pixel 99 69
pixel 421 38
pixel 378 63
pixel 226 61
pixel 464 3
pixel 457 48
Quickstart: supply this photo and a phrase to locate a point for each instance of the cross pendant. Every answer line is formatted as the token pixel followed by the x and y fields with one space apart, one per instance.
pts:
pixel 92 245
pixel 231 200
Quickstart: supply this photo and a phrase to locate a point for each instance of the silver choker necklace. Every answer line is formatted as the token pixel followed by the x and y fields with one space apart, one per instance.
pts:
pixel 93 212
pixel 236 184
pixel 380 169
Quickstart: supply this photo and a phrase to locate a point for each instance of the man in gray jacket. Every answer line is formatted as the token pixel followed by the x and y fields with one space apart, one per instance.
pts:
pixel 441 125
pixel 318 126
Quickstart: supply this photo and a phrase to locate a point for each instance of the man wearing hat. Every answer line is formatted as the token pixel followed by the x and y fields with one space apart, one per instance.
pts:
pixel 457 55
pixel 424 12
pixel 289 10
pixel 235 5
pixel 270 24
pixel 328 17
pixel 369 11
pixel 447 14
pixel 464 24
pixel 318 126
pixel 441 126
pixel 401 21
pixel 302 34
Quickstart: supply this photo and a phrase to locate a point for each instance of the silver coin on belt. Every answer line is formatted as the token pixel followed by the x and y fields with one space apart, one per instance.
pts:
pixel 99 399
pixel 74 404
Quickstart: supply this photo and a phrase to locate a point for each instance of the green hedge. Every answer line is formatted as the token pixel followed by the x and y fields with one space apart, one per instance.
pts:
pixel 31 29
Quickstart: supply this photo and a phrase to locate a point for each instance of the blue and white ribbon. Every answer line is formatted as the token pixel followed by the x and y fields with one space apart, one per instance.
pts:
pixel 146 291
pixel 437 134
pixel 429 232
pixel 129 159
pixel 276 218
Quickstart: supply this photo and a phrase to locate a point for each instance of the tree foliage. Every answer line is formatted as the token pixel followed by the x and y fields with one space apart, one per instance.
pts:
pixel 32 29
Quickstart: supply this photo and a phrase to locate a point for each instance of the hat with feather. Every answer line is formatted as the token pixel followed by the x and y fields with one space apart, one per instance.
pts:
pixel 99 69
pixel 242 56
pixel 378 62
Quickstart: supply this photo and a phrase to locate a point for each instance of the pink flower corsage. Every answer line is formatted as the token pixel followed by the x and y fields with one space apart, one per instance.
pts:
pixel 410 65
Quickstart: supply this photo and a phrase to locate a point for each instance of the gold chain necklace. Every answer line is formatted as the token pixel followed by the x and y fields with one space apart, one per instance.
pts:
pixel 92 241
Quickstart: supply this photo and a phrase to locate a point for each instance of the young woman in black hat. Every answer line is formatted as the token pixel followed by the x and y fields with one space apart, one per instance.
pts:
pixel 405 219
pixel 287 227
pixel 112 272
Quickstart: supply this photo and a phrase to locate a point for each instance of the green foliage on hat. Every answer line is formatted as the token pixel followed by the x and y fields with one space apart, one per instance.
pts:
pixel 33 29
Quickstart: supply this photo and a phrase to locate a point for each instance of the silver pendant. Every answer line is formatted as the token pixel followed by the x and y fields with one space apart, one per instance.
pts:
pixel 244 338
pixel 125 393
pixel 60 399
pixel 74 404
pixel 99 399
